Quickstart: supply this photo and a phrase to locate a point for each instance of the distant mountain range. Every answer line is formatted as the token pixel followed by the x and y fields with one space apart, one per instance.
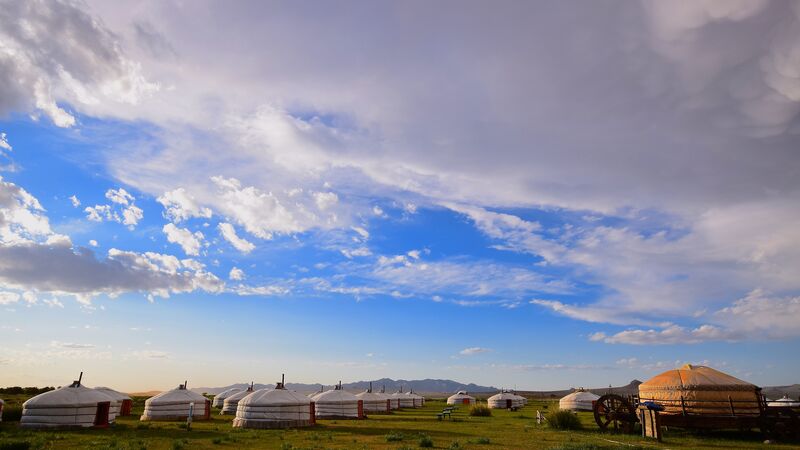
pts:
pixel 427 386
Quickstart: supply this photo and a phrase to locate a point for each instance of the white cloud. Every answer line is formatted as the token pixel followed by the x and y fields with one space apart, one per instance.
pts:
pixel 266 290
pixel 229 233
pixel 361 232
pixel 93 242
pixel 75 201
pixel 325 200
pixel 131 216
pixel 4 142
pixel 236 274
pixel 98 213
pixel 120 196
pixel 179 205
pixel 7 298
pixel 121 209
pixel 469 351
pixel 54 52
pixel 356 252
pixel 150 354
pixel 669 335
pixel 191 243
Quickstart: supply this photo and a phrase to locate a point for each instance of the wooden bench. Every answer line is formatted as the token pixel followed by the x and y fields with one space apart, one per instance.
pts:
pixel 445 412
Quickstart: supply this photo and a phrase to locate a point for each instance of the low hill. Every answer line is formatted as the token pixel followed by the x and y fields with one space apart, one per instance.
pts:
pixel 629 389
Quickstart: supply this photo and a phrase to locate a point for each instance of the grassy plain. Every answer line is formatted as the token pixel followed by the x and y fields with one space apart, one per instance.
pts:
pixel 405 429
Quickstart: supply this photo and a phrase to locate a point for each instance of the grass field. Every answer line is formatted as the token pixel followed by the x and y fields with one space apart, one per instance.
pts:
pixel 404 429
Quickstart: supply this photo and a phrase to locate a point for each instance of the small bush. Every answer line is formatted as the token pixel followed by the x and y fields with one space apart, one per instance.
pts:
pixel 563 420
pixel 480 410
pixel 394 437
pixel 425 441
pixel 12 413
pixel 21 445
pixel 216 441
pixel 455 445
pixel 177 445
pixel 286 446
pixel 483 440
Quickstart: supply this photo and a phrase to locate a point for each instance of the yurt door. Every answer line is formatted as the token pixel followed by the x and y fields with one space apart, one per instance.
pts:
pixel 101 416
pixel 509 403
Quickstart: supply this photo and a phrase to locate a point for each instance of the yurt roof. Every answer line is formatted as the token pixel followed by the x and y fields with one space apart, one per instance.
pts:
pixel 272 396
pixel 503 396
pixel 178 395
pixel 580 395
pixel 116 395
pixel 335 396
pixel 72 395
pixel 461 394
pixel 367 395
pixel 691 377
pixel 239 395
pixel 228 392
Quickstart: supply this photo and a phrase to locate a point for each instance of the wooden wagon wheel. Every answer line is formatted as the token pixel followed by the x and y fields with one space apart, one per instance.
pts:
pixel 778 423
pixel 612 411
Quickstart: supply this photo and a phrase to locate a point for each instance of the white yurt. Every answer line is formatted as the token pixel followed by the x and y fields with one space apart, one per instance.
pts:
pixel 580 400
pixel 373 402
pixel 504 400
pixel 274 408
pixel 230 404
pixel 403 400
pixel 337 404
pixel 461 398
pixel 522 400
pixel 417 401
pixel 220 398
pixel 122 402
pixel 67 407
pixel 394 403
pixel 176 404
pixel 784 402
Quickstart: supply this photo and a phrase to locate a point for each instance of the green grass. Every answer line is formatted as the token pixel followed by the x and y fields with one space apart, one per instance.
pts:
pixel 503 430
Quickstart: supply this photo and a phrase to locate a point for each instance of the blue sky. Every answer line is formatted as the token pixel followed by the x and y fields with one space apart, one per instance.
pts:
pixel 509 212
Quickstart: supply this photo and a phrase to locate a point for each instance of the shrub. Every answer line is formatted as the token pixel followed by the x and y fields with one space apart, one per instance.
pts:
pixel 394 437
pixel 483 440
pixel 563 420
pixel 20 445
pixel 480 410
pixel 455 445
pixel 12 413
pixel 425 441
pixel 216 441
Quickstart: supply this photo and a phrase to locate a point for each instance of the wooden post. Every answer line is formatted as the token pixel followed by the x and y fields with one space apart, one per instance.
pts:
pixel 388 405
pixel 730 402
pixel 361 409
pixel 683 406
pixel 313 410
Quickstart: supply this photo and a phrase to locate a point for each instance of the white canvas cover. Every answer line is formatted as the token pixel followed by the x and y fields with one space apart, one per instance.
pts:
pixel 68 406
pixel 174 405
pixel 403 400
pixel 336 403
pixel 373 402
pixel 394 403
pixel 784 402
pixel 461 398
pixel 232 401
pixel 579 400
pixel 417 401
pixel 501 401
pixel 273 408
pixel 219 399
